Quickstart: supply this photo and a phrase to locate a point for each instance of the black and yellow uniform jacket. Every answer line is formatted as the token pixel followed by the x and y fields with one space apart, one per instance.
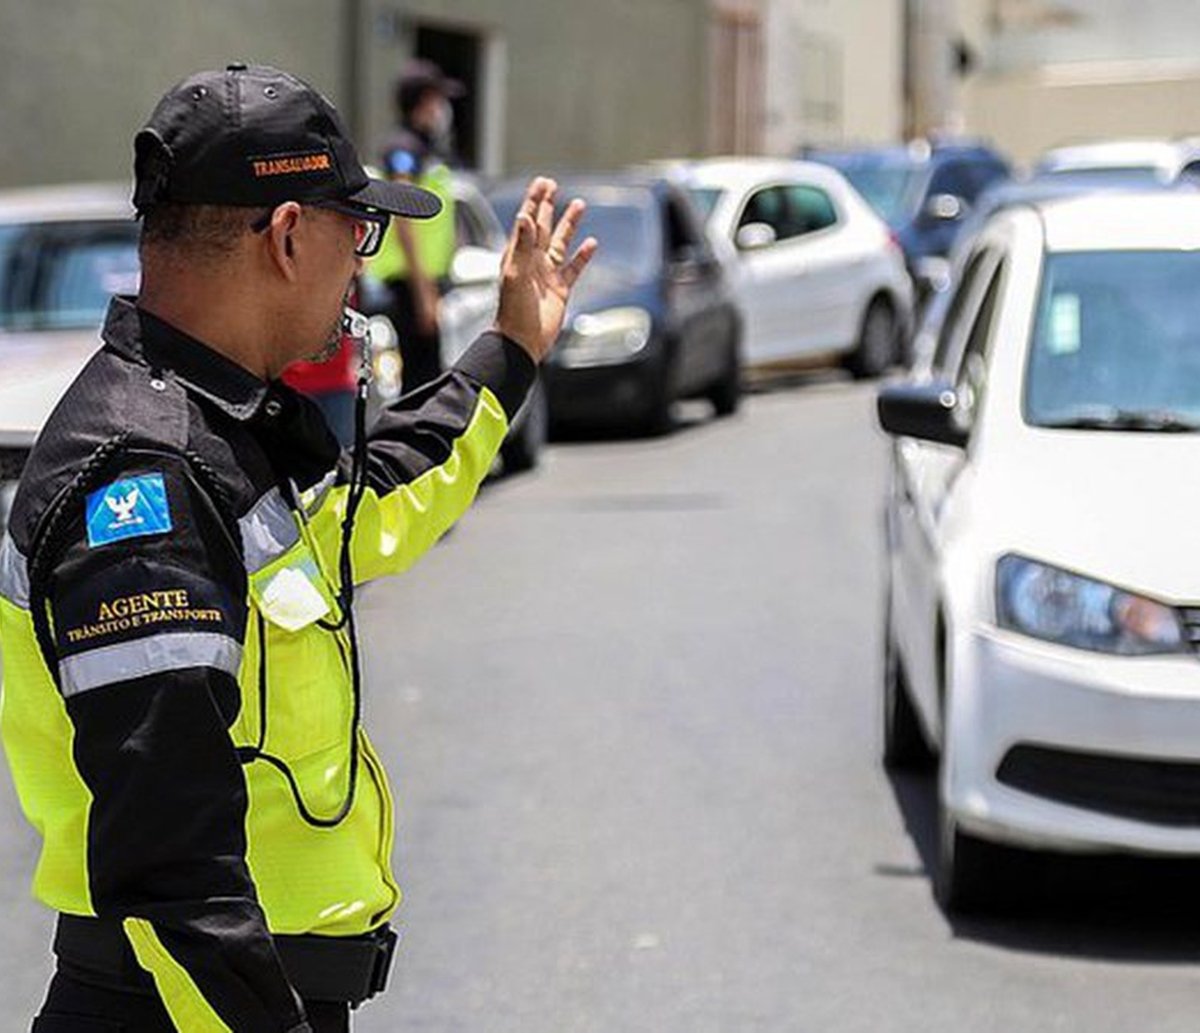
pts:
pixel 179 707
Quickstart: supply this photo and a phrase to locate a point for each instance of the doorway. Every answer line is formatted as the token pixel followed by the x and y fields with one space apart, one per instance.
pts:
pixel 459 54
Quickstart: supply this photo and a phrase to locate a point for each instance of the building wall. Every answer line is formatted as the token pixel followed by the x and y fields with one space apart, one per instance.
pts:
pixel 1054 72
pixel 583 83
pixel 78 77
pixel 834 72
pixel 571 83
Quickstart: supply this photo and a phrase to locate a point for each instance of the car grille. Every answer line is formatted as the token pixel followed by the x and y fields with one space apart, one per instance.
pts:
pixel 12 462
pixel 1154 791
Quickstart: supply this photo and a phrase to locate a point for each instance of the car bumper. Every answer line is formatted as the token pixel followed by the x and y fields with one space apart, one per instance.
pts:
pixel 603 394
pixel 1055 748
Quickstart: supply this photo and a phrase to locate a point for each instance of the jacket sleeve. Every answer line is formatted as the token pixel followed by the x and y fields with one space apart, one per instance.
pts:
pixel 427 455
pixel 148 605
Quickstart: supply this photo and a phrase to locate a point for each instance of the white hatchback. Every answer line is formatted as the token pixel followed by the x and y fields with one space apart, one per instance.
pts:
pixel 818 274
pixel 1044 585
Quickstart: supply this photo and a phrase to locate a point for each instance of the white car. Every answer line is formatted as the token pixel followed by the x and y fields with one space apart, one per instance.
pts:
pixel 818 275
pixel 1158 161
pixel 1044 589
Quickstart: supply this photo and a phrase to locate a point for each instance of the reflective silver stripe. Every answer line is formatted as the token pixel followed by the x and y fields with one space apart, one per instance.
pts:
pixel 14 574
pixel 316 494
pixel 268 530
pixel 172 651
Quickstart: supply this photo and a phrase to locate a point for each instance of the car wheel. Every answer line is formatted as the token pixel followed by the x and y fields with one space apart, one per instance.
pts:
pixel 726 393
pixel 876 349
pixel 904 745
pixel 973 876
pixel 521 451
pixel 658 416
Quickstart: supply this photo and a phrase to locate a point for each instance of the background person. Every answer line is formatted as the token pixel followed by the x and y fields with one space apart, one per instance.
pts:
pixel 414 261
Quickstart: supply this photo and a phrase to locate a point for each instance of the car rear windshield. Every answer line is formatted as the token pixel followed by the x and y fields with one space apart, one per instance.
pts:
pixel 1116 342
pixel 705 199
pixel 893 189
pixel 624 220
pixel 60 275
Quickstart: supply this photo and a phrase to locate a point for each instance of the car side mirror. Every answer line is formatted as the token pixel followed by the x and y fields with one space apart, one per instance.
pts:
pixel 927 411
pixel 474 266
pixel 755 236
pixel 946 208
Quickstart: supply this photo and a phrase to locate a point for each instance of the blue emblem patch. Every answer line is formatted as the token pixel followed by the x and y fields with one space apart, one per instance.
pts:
pixel 128 509
pixel 401 162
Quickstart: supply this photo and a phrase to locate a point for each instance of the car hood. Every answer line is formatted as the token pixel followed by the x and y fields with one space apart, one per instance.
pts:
pixel 35 370
pixel 1122 507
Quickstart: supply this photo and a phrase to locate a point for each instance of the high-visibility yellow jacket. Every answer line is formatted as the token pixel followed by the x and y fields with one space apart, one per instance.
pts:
pixel 179 708
pixel 409 157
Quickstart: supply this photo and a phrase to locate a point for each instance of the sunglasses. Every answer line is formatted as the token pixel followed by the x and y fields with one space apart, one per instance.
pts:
pixel 369 227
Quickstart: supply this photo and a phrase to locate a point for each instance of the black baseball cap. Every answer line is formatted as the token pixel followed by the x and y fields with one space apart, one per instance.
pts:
pixel 419 76
pixel 253 136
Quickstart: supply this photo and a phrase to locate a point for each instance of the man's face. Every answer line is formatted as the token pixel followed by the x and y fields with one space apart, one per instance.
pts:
pixel 326 283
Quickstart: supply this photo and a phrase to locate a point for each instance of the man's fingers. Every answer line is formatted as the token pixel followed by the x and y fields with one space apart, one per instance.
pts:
pixel 545 214
pixel 533 195
pixel 564 232
pixel 572 270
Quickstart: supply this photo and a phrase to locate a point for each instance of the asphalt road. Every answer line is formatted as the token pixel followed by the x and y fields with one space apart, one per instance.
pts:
pixel 631 709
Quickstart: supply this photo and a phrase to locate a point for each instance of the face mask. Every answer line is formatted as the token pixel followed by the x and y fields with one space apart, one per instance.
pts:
pixel 442 120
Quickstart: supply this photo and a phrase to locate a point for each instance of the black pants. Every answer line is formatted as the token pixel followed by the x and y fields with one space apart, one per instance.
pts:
pixel 74 1006
pixel 421 353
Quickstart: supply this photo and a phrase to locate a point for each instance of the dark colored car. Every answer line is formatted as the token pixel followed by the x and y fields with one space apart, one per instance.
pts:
pixel 653 318
pixel 923 191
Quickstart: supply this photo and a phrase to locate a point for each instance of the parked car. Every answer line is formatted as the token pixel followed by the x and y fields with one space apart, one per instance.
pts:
pixel 64 251
pixel 1042 604
pixel 922 190
pixel 818 275
pixel 1001 196
pixel 1153 161
pixel 468 307
pixel 653 319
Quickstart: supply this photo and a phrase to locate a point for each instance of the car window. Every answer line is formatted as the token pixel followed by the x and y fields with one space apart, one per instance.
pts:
pixel 60 275
pixel 768 205
pixel 949 333
pixel 1115 336
pixel 971 376
pixel 469 228
pixel 810 209
pixel 706 199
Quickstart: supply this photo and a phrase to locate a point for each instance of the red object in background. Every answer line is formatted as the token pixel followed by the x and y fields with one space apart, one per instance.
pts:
pixel 337 374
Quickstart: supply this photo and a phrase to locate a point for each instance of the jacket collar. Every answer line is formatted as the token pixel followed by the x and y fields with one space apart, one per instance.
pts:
pixel 150 341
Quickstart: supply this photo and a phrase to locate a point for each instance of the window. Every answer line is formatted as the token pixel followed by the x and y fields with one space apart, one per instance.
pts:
pixel 684 238
pixel 809 210
pixel 768 206
pixel 954 177
pixel 972 370
pixel 1114 339
pixel 791 211
pixel 949 332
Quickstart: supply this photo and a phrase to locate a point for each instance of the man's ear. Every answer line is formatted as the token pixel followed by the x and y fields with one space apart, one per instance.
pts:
pixel 284 223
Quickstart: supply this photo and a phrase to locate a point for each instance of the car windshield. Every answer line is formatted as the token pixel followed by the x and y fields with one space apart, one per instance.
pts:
pixel 706 199
pixel 891 188
pixel 60 275
pixel 1116 342
pixel 621 219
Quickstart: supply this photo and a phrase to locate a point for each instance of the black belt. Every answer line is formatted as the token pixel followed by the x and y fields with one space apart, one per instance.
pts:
pixel 349 969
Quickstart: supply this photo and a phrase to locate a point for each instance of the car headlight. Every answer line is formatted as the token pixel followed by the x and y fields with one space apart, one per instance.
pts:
pixel 605 338
pixel 1051 604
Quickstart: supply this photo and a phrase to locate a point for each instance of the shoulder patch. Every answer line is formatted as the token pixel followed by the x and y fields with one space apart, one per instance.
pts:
pixel 128 508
